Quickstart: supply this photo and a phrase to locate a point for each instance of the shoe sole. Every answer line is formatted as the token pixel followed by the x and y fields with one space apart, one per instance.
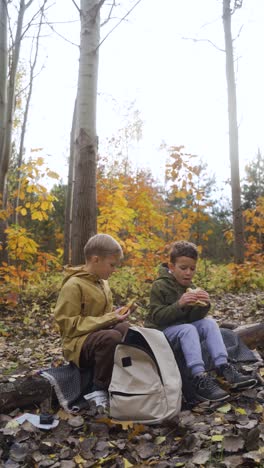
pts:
pixel 239 385
pixel 244 385
pixel 200 398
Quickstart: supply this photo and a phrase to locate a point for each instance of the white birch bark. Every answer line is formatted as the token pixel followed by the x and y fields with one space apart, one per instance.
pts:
pixel 5 155
pixel 84 199
pixel 233 137
pixel 3 71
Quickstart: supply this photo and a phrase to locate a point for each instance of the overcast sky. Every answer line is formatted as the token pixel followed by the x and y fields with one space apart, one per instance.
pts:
pixel 178 85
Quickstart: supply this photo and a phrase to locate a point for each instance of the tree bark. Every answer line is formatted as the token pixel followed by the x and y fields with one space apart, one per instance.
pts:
pixel 33 390
pixel 25 117
pixel 5 154
pixel 3 71
pixel 252 335
pixel 24 392
pixel 3 114
pixel 84 195
pixel 69 197
pixel 233 137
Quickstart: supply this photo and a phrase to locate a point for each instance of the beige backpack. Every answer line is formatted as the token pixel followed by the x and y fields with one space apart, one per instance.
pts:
pixel 146 384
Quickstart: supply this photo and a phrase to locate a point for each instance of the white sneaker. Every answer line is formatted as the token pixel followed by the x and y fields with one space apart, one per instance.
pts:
pixel 99 398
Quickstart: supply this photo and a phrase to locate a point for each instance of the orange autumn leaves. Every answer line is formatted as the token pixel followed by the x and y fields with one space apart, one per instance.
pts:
pixel 145 216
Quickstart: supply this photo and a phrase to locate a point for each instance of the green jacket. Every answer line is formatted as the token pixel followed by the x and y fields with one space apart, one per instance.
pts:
pixel 164 306
pixel 84 305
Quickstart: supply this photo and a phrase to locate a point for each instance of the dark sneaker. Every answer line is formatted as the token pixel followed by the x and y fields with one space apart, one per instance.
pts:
pixel 207 388
pixel 230 375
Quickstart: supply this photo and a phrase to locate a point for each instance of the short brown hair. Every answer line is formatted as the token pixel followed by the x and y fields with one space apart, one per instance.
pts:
pixel 102 245
pixel 183 249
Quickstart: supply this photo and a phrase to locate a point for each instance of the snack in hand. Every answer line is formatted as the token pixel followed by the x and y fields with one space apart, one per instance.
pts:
pixel 131 306
pixel 200 303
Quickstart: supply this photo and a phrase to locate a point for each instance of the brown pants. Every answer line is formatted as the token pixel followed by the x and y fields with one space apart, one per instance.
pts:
pixel 98 352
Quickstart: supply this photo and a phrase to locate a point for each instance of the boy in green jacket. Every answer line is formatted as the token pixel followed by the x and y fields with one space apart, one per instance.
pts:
pixel 89 326
pixel 180 311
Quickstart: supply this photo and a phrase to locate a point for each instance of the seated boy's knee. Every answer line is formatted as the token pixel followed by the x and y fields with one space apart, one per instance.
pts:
pixel 187 329
pixel 210 323
pixel 112 337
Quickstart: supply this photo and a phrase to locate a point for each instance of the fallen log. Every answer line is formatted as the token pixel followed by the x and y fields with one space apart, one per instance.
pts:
pixel 24 392
pixel 32 390
pixel 252 335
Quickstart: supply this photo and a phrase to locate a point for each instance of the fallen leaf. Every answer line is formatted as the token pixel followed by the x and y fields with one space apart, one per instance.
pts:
pixel 63 415
pixel 217 438
pixel 233 443
pixel 240 411
pixel 159 440
pixel 79 460
pixel 224 409
pixel 201 457
pixel 125 424
pixel 127 464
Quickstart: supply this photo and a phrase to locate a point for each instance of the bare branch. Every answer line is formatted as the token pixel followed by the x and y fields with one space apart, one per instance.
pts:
pixel 58 34
pixel 109 14
pixel 95 9
pixel 73 1
pixel 30 23
pixel 122 19
pixel 238 34
pixel 27 5
pixel 203 40
pixel 10 29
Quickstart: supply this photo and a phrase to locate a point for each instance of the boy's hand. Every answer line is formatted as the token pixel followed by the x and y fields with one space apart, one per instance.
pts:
pixel 121 316
pixel 202 296
pixel 188 298
pixel 194 297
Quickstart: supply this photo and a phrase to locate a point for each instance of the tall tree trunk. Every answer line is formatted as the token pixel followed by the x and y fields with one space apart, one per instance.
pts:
pixel 3 114
pixel 3 71
pixel 84 199
pixel 25 117
pixel 69 197
pixel 5 155
pixel 233 137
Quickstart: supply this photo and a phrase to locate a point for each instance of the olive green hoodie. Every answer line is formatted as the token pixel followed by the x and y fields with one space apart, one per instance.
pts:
pixel 84 305
pixel 164 306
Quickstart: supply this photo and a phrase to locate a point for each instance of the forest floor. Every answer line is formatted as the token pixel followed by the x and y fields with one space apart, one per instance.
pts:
pixel 229 434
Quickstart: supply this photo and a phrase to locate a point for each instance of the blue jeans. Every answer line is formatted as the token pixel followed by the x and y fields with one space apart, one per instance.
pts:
pixel 188 337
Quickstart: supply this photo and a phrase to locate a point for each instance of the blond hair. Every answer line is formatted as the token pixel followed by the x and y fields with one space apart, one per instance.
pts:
pixel 102 245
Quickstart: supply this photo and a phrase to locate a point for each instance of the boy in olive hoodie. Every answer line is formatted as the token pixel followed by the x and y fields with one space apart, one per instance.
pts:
pixel 180 312
pixel 89 326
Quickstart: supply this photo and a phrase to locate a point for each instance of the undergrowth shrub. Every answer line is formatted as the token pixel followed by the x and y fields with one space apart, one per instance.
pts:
pixel 231 277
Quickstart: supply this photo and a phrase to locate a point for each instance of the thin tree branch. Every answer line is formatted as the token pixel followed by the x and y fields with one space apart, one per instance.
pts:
pixel 27 86
pixel 30 23
pixel 27 5
pixel 73 1
pixel 58 34
pixel 238 34
pixel 122 19
pixel 110 13
pixel 203 40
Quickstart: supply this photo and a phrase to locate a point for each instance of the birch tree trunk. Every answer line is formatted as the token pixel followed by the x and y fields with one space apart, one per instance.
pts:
pixel 84 195
pixel 26 112
pixel 233 137
pixel 3 71
pixel 67 256
pixel 5 154
pixel 3 114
